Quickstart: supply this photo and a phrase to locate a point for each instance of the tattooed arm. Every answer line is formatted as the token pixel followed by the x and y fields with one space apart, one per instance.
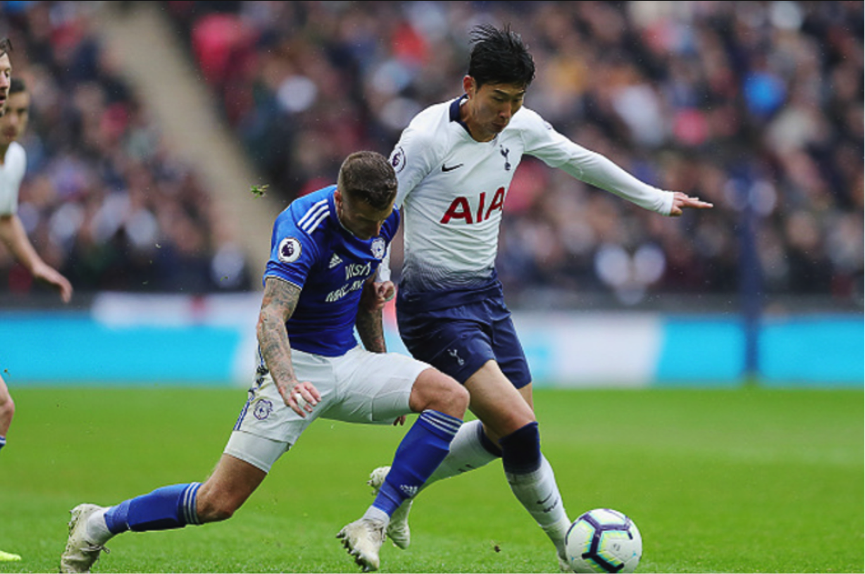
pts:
pixel 368 322
pixel 277 306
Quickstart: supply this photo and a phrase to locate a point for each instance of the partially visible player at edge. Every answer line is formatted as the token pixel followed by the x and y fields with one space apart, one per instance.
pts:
pixel 318 286
pixel 455 162
pixel 14 109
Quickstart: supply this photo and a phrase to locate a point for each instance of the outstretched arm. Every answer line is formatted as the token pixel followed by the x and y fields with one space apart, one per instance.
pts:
pixel 15 238
pixel 595 169
pixel 277 305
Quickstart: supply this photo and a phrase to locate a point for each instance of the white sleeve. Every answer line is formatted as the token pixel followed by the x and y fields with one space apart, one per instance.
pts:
pixel 545 143
pixel 384 266
pixel 411 160
pixel 15 166
pixel 8 200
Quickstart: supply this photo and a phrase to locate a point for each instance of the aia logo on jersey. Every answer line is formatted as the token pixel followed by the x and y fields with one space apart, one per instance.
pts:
pixel 462 208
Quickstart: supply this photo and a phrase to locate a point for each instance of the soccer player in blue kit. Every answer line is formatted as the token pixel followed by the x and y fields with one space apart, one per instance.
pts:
pixel 318 286
pixel 455 162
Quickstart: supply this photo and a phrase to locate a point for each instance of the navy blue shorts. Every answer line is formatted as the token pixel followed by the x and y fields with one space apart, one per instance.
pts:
pixel 458 332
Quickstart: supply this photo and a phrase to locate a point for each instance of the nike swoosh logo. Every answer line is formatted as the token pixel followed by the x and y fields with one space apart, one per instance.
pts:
pixel 447 168
pixel 544 501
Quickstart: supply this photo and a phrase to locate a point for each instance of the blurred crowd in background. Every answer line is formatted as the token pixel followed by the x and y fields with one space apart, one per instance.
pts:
pixel 105 200
pixel 730 101
pixel 754 106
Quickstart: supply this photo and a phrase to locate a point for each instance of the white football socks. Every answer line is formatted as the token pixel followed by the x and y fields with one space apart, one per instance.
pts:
pixel 539 494
pixel 537 491
pixel 466 453
pixel 376 515
pixel 97 530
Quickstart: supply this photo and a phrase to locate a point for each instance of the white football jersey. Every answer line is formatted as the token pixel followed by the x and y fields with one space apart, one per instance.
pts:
pixel 11 175
pixel 452 189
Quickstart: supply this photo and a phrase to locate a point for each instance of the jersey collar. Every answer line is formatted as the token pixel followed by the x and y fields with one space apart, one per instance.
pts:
pixel 455 112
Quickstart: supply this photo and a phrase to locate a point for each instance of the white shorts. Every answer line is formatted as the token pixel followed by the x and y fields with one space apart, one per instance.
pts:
pixel 358 387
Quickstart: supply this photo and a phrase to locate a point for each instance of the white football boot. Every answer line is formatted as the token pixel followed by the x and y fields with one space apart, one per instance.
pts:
pixel 398 530
pixel 363 539
pixel 564 564
pixel 558 534
pixel 80 554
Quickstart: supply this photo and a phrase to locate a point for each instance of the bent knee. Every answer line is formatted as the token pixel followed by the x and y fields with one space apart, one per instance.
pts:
pixel 458 396
pixel 452 399
pixel 7 407
pixel 437 391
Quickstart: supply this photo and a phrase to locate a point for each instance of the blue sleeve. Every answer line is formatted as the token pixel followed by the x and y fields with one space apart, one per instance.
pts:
pixel 391 225
pixel 292 253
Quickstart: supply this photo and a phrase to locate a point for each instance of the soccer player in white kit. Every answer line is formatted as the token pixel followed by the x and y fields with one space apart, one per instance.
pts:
pixel 455 162
pixel 15 109
pixel 13 164
pixel 318 286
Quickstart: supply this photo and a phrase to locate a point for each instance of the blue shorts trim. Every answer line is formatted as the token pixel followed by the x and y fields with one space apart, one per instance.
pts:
pixel 459 339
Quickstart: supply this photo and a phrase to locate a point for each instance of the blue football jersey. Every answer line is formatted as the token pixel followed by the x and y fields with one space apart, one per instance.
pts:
pixel 311 249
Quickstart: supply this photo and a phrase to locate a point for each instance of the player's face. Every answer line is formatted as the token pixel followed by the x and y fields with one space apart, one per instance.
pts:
pixel 14 121
pixel 5 79
pixel 363 220
pixel 491 107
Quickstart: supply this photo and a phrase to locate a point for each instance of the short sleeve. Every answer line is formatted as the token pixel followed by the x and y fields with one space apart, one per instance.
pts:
pixel 15 164
pixel 293 253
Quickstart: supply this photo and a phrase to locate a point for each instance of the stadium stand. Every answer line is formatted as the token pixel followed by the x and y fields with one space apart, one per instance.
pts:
pixel 727 101
pixel 757 103
pixel 106 200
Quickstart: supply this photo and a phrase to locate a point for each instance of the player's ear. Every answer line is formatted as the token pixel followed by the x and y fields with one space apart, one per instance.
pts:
pixel 469 85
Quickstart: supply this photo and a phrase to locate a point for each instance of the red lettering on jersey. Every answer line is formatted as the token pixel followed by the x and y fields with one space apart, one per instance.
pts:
pixel 459 209
pixel 497 203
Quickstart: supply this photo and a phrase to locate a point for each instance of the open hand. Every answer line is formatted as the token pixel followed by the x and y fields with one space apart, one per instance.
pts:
pixel 49 275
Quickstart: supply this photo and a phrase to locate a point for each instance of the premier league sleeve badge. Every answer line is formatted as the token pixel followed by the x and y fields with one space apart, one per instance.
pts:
pixel 289 250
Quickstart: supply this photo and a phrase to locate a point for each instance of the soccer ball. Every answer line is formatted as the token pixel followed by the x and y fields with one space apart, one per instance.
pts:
pixel 603 540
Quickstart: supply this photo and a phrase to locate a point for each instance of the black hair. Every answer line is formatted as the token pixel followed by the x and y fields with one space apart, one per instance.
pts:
pixel 500 57
pixel 17 85
pixel 368 176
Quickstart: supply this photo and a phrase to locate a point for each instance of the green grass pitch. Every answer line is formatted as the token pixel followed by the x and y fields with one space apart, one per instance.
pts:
pixel 746 480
